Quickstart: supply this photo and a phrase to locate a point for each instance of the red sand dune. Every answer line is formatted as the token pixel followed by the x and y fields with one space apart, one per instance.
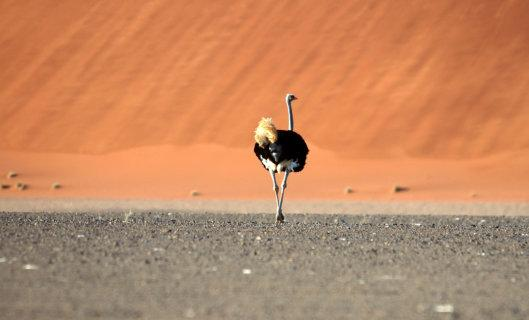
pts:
pixel 109 86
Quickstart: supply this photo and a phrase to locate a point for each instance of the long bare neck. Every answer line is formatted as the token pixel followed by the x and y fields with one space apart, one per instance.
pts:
pixel 290 116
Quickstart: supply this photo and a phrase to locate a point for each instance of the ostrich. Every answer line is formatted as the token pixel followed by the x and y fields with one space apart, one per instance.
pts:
pixel 280 150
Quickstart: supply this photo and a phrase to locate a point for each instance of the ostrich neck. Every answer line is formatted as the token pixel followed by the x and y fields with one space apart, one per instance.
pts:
pixel 290 116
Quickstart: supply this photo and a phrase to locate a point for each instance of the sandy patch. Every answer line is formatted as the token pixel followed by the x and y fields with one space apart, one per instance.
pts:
pixel 217 172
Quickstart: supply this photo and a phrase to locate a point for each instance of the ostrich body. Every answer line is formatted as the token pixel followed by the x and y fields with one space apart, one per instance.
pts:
pixel 280 151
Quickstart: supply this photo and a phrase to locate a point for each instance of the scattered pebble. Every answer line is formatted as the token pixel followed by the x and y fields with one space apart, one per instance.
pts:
pixel 156 249
pixel 3 259
pixel 5 186
pixel 258 238
pixel 21 186
pixel 56 185
pixel 348 190
pixel 416 224
pixel 444 308
pixel 397 188
pixel 30 267
pixel 246 271
pixel 12 174
pixel 80 236
pixel 195 193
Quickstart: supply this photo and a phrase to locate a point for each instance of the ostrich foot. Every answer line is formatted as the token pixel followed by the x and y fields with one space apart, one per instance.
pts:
pixel 279 217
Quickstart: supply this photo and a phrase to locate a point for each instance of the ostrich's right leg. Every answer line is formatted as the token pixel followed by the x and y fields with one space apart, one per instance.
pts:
pixel 275 187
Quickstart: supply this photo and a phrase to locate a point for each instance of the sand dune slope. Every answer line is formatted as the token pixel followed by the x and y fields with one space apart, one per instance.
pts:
pixel 387 78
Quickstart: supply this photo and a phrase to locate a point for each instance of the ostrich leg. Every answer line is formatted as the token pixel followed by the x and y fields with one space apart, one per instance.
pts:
pixel 275 187
pixel 279 216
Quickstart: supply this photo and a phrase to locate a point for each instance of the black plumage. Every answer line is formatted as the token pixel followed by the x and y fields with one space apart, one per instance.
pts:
pixel 289 146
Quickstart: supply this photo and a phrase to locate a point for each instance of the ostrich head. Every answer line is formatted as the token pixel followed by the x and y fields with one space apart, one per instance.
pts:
pixel 290 97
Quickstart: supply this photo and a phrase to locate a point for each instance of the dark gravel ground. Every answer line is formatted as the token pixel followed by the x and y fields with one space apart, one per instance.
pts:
pixel 213 266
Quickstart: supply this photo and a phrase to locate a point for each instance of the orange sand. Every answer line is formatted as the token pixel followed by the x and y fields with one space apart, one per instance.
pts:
pixel 170 173
pixel 153 99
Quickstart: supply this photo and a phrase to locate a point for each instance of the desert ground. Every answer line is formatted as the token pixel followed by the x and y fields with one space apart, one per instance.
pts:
pixel 165 265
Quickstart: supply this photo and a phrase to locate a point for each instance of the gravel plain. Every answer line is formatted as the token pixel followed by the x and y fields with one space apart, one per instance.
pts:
pixel 163 265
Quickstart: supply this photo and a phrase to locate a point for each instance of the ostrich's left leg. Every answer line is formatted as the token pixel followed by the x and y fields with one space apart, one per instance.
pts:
pixel 275 187
pixel 280 217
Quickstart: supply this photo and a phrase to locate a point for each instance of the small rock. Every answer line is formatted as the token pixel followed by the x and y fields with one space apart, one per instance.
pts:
pixel 397 189
pixel 3 259
pixel 195 193
pixel 444 308
pixel 56 185
pixel 246 271
pixel 348 190
pixel 11 175
pixel 21 186
pixel 30 267
pixel 5 186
